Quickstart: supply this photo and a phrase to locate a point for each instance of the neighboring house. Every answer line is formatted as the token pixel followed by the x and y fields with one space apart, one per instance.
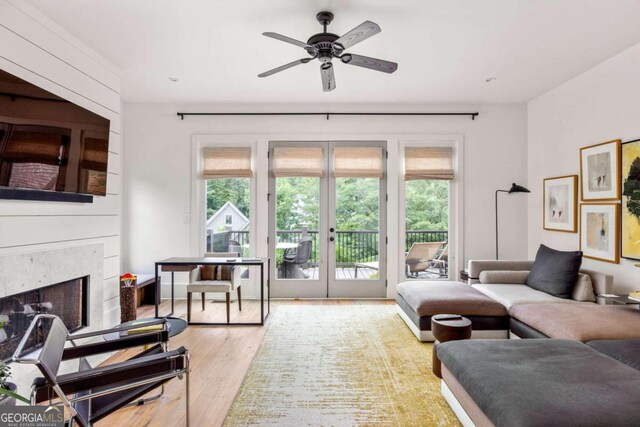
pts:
pixel 228 217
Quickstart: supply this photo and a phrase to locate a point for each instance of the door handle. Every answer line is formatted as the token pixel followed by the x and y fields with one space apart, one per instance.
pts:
pixel 331 230
pixel 331 239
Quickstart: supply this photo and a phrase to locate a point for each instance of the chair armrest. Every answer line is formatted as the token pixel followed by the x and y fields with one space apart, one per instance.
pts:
pixel 123 343
pixel 124 372
pixel 501 277
pixel 195 275
pixel 236 276
pixel 478 266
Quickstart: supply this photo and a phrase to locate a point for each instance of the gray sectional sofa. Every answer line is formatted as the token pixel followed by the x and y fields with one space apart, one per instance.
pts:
pixel 500 305
pixel 542 382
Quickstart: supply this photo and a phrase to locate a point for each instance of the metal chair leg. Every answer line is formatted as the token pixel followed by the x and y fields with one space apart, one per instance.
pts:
pixel 187 385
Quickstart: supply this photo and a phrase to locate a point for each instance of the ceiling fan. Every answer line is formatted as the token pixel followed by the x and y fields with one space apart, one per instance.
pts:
pixel 326 46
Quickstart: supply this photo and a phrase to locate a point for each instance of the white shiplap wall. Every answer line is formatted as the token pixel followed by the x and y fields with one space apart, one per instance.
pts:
pixel 37 50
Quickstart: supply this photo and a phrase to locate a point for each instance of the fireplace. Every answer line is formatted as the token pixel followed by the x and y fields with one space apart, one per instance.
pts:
pixel 67 300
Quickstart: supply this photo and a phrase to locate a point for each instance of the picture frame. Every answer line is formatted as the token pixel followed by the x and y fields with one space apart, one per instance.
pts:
pixel 600 231
pixel 630 200
pixel 600 172
pixel 560 204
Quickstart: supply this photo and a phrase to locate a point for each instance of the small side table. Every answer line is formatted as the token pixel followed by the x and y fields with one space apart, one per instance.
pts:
pixel 447 330
pixel 175 326
pixel 622 299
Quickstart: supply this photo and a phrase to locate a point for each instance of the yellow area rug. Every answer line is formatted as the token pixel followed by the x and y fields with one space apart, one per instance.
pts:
pixel 340 365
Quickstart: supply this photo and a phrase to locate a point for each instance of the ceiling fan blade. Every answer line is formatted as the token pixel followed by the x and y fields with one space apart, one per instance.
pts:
pixel 371 63
pixel 284 67
pixel 358 34
pixel 289 40
pixel 328 79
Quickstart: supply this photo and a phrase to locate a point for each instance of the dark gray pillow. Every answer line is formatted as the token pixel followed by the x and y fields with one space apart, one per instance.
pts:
pixel 555 272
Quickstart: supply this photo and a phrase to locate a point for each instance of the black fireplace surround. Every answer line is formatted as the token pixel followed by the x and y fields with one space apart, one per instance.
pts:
pixel 68 300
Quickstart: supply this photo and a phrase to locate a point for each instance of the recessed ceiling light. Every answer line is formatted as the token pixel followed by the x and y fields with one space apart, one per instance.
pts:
pixel 490 79
pixel 173 79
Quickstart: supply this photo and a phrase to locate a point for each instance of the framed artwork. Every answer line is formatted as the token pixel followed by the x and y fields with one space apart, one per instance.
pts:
pixel 630 216
pixel 600 171
pixel 560 210
pixel 599 236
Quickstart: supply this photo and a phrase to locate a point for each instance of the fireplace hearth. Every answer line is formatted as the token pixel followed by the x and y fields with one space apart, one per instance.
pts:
pixel 68 300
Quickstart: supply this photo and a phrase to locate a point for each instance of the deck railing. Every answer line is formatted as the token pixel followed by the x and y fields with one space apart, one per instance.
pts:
pixel 351 246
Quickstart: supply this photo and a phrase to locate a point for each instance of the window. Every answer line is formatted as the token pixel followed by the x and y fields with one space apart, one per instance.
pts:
pixel 428 173
pixel 228 173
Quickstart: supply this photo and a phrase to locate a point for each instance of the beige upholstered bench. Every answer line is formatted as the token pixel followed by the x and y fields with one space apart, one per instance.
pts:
pixel 417 301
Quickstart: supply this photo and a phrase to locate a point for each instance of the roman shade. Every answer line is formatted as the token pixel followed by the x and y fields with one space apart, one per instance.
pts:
pixel 297 162
pixel 428 163
pixel 358 162
pixel 226 162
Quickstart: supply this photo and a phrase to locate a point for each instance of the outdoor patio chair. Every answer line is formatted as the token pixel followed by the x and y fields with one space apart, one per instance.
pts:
pixel 420 255
pixel 441 261
pixel 301 256
pixel 91 394
pixel 235 247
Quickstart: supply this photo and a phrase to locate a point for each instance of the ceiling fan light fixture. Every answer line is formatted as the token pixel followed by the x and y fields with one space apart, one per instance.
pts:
pixel 325 46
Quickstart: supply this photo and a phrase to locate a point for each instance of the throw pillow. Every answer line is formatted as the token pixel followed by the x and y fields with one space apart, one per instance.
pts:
pixel 208 272
pixel 224 272
pixel 555 272
pixel 583 290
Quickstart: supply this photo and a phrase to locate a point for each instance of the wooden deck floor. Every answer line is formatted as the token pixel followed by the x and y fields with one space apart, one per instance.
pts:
pixel 220 358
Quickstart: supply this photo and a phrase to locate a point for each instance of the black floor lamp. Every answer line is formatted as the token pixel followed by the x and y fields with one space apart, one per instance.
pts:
pixel 515 188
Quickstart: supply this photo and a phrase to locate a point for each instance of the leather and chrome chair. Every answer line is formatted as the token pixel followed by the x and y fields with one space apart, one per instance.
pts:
pixel 226 283
pixel 91 394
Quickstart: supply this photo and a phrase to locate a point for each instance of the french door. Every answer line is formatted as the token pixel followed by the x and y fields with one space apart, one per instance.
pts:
pixel 327 219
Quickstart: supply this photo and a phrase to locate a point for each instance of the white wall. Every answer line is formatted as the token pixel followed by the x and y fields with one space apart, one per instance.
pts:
pixel 157 204
pixel 37 50
pixel 599 105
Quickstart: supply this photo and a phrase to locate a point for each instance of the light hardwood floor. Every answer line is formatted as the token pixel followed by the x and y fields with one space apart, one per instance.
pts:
pixel 220 358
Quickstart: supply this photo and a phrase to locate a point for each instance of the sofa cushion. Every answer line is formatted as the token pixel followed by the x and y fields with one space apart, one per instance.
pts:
pixel 504 276
pixel 625 351
pixel 427 298
pixel 555 272
pixel 580 321
pixel 510 295
pixel 544 382
pixel 583 289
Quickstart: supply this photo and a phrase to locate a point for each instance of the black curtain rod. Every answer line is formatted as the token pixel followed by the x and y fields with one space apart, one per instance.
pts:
pixel 473 115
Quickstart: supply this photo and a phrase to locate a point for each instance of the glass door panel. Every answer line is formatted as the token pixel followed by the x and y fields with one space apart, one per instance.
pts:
pixel 297 225
pixel 427 229
pixel 297 219
pixel 357 232
pixel 357 228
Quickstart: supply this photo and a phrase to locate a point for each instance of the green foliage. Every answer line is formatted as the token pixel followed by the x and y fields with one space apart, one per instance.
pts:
pixel 297 203
pixel 234 190
pixel 357 201
pixel 427 206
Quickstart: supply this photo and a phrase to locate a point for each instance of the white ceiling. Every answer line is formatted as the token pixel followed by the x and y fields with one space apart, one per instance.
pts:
pixel 445 49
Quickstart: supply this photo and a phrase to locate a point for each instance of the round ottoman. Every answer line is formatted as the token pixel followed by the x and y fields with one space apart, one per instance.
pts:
pixel 447 327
